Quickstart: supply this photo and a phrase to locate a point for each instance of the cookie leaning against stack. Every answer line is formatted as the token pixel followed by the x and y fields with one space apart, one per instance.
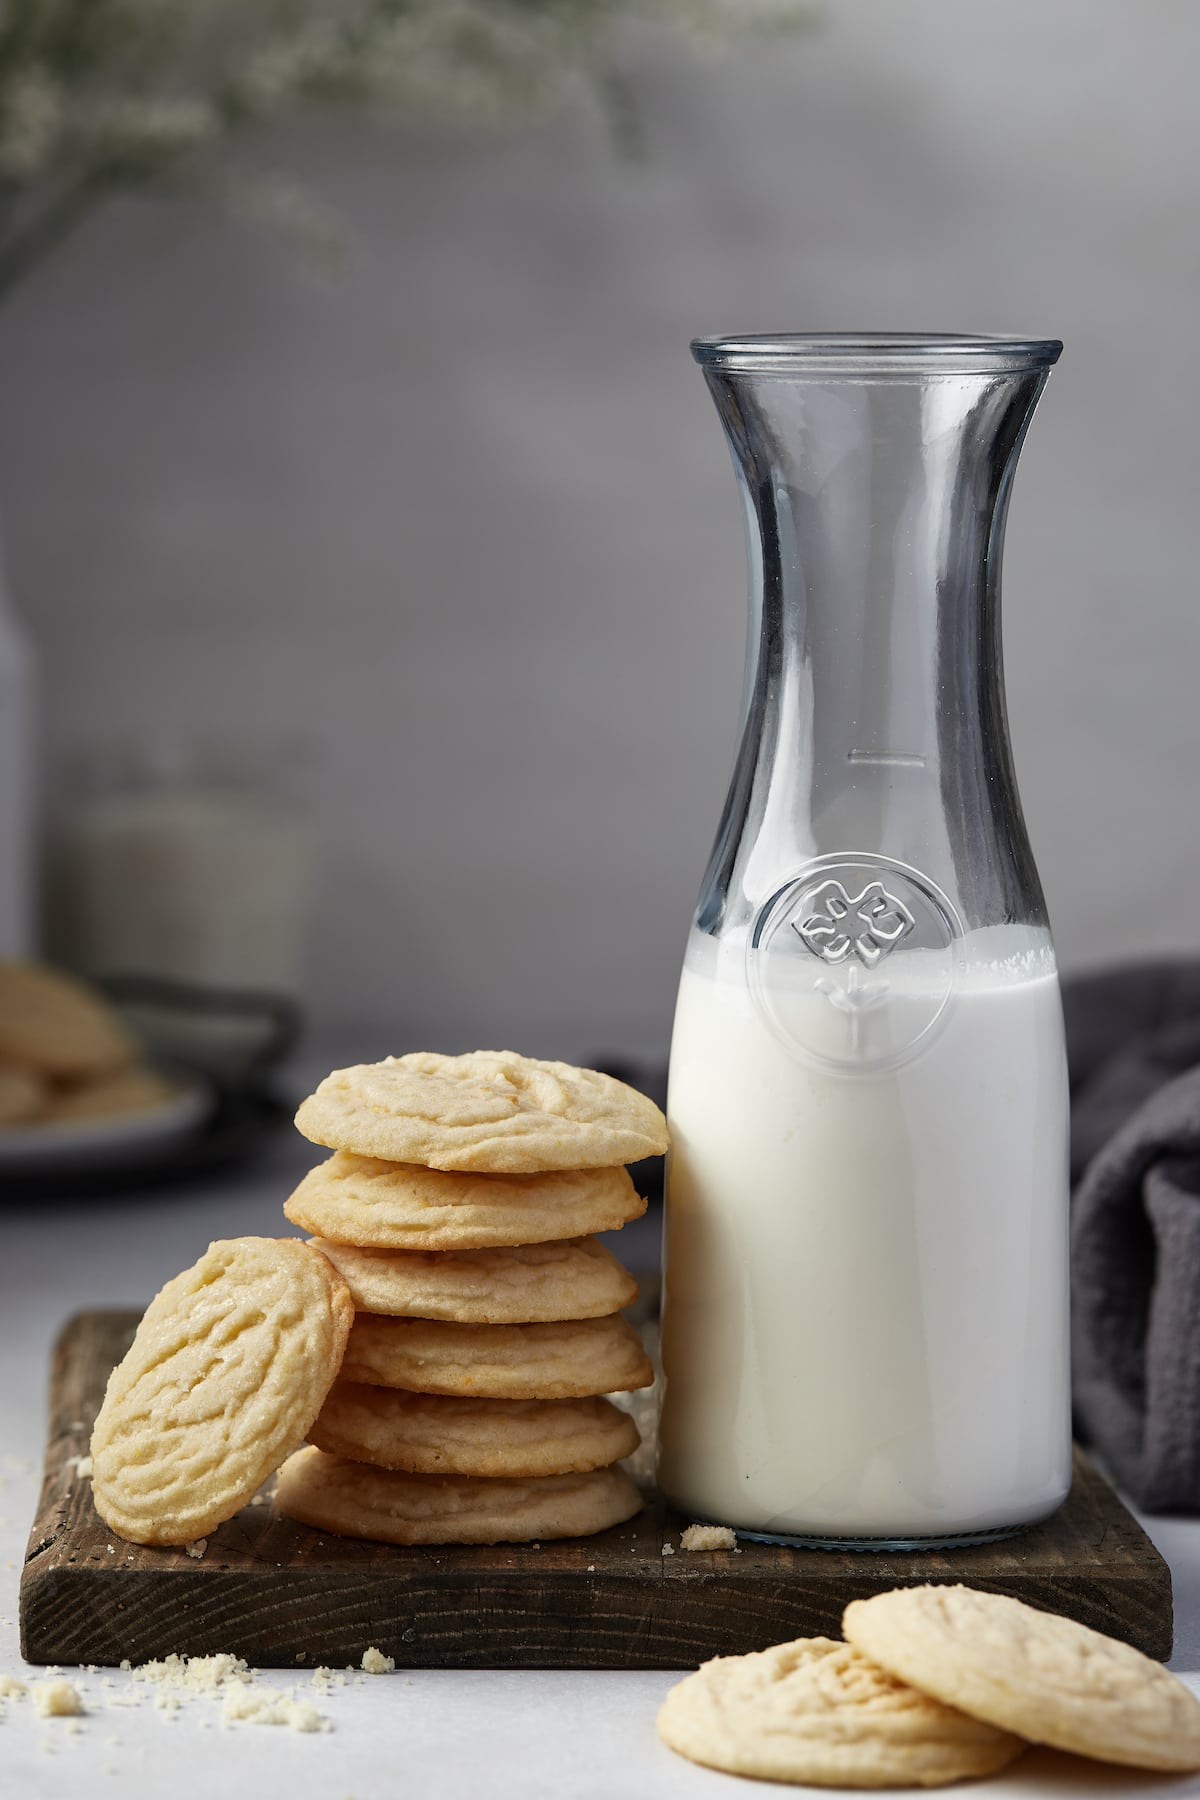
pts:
pixel 229 1367
pixel 459 1206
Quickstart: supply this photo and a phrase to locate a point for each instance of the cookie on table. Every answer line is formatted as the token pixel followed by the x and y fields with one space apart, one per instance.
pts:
pixel 576 1278
pixel 229 1367
pixel 491 1111
pixel 355 1500
pixel 1047 1678
pixel 113 1096
pixel 428 1434
pixel 57 1026
pixel 550 1361
pixel 381 1205
pixel 818 1711
pixel 23 1097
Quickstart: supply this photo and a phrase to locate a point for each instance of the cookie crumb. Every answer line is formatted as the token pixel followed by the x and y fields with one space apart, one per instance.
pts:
pixel 303 1716
pixel 194 1674
pixel 708 1537
pixel 667 1550
pixel 196 1548
pixel 374 1662
pixel 82 1466
pixel 325 1679
pixel 228 1679
pixel 271 1706
pixel 11 1688
pixel 56 1699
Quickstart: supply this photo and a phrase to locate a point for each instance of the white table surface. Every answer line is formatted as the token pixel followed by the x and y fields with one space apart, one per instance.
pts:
pixel 424 1735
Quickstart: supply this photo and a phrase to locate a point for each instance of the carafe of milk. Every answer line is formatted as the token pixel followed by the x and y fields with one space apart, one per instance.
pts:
pixel 865 1339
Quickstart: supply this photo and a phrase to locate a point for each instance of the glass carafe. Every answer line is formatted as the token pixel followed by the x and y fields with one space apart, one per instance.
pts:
pixel 865 1335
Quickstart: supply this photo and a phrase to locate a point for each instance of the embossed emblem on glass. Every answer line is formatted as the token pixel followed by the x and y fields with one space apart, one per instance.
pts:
pixel 866 925
pixel 822 967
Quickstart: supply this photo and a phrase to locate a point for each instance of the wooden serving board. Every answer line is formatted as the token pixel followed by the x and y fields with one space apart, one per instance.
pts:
pixel 281 1595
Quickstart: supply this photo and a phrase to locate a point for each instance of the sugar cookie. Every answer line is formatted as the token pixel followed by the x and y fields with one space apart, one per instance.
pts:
pixel 351 1498
pixel 57 1025
pixel 113 1096
pixel 1047 1678
pixel 230 1366
pixel 498 1362
pixel 23 1096
pixel 819 1711
pixel 491 1111
pixel 399 1206
pixel 429 1434
pixel 574 1279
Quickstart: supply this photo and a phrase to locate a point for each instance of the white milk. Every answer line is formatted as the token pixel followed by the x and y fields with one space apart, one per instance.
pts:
pixel 865 1328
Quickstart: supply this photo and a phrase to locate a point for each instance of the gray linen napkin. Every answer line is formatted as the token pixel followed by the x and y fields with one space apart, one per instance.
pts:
pixel 1134 1046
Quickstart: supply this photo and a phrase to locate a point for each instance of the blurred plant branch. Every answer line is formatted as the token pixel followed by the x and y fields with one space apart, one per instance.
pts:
pixel 99 95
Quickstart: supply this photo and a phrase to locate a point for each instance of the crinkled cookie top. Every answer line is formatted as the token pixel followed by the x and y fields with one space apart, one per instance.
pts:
pixel 1047 1678
pixel 491 1111
pixel 818 1711
pixel 230 1366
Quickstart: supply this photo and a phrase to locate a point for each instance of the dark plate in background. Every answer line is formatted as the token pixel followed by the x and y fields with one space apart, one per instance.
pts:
pixel 236 1126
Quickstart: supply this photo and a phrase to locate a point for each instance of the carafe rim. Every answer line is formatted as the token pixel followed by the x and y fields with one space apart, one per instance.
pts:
pixel 876 353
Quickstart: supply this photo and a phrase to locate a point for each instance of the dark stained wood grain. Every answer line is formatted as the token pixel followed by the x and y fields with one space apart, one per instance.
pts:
pixel 282 1595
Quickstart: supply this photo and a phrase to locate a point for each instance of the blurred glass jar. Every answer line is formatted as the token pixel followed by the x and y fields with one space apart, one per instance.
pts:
pixel 185 876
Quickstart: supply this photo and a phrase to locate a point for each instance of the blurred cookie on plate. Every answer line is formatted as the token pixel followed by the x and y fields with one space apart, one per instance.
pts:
pixel 22 1095
pixel 66 1056
pixel 58 1026
pixel 112 1096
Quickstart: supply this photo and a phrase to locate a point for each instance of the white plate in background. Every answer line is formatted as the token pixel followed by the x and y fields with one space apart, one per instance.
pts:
pixel 53 1144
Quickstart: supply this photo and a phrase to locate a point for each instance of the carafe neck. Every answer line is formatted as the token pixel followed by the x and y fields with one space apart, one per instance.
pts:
pixel 875 475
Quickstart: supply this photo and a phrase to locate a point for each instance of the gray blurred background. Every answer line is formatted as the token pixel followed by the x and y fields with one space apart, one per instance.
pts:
pixel 463 515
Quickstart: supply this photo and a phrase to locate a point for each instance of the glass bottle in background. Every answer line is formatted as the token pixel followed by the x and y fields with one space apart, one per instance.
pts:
pixel 865 1331
pixel 185 874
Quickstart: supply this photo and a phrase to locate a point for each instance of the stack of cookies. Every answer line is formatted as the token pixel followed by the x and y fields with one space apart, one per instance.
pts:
pixel 459 1207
